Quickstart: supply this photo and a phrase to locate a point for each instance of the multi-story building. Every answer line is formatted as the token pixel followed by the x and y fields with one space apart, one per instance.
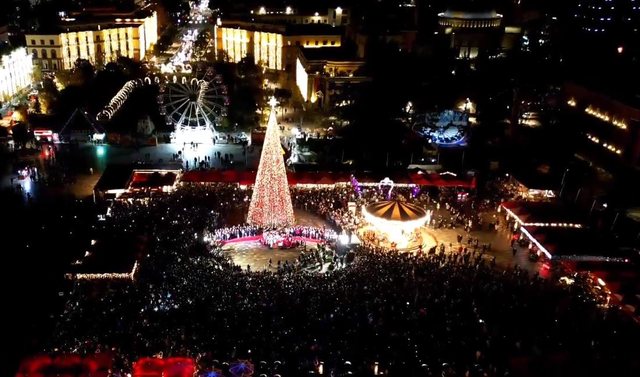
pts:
pixel 326 77
pixel 15 72
pixel 609 127
pixel 334 16
pixel 272 46
pixel 100 38
pixel 473 29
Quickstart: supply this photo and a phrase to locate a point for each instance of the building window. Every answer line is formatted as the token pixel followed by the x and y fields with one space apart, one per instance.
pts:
pixel 42 42
pixel 324 43
pixel 44 53
pixel 54 55
pixel 333 43
pixel 35 53
pixel 97 38
pixel 55 66
pixel 33 41
pixel 51 42
pixel 316 43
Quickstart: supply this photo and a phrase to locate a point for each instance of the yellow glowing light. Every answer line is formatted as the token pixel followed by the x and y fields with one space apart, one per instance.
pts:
pixel 397 231
pixel 262 11
pixel 604 116
pixel 571 102
pixel 15 72
pixel 129 37
pixel 302 79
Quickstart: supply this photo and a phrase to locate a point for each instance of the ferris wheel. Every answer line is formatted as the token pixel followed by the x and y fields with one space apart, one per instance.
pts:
pixel 195 104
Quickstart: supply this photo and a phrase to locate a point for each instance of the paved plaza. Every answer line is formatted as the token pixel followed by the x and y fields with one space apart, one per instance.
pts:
pixel 257 256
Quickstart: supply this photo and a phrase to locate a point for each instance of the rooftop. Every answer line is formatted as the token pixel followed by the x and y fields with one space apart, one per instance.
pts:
pixel 330 53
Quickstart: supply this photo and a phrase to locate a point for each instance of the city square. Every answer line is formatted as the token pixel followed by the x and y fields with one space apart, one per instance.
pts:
pixel 222 188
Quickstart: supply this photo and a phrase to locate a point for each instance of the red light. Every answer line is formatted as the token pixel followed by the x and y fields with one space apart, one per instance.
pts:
pixel 546 266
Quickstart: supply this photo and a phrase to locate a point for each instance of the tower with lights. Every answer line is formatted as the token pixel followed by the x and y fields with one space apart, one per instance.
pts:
pixel 271 200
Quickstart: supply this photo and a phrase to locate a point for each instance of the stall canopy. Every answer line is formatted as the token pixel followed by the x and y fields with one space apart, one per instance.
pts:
pixel 330 178
pixel 169 367
pixel 578 245
pixel 97 365
pixel 152 179
pixel 543 214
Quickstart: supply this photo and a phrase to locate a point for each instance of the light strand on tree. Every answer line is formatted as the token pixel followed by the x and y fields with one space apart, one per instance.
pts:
pixel 271 200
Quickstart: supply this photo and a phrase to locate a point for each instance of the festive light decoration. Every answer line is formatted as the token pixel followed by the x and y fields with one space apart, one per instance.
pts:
pixel 395 219
pixel 106 276
pixel 356 186
pixel 271 200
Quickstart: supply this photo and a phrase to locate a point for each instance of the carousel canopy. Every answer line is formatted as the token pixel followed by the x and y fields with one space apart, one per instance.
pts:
pixel 394 210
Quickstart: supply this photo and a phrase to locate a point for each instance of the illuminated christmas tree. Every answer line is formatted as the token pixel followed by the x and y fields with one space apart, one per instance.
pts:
pixel 271 201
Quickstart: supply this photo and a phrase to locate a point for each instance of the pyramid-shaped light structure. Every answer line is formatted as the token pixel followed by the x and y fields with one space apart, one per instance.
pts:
pixel 271 200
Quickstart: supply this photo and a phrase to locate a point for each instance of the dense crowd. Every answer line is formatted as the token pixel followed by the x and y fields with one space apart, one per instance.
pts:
pixel 428 314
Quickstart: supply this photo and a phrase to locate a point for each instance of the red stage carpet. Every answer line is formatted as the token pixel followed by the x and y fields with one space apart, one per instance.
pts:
pixel 259 238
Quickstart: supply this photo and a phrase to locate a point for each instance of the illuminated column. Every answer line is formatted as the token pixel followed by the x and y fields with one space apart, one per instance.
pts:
pixel 272 50
pixel 278 51
pixel 271 199
pixel 257 44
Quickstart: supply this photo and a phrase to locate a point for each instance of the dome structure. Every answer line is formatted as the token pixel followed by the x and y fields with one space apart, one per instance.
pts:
pixel 469 14
pixel 473 27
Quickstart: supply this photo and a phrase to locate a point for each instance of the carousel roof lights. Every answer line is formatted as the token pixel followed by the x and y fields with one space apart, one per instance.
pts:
pixel 394 212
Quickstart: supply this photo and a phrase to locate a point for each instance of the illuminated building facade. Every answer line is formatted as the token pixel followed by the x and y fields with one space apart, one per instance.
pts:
pixel 234 44
pixel 326 77
pixel 15 72
pixel 472 28
pixel 272 46
pixel 98 42
pixel 337 16
pixel 609 129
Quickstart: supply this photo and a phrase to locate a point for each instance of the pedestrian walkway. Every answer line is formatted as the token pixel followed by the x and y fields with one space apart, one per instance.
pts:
pixel 499 241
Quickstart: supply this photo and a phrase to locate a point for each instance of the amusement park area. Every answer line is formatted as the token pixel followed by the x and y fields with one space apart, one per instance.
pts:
pixel 205 188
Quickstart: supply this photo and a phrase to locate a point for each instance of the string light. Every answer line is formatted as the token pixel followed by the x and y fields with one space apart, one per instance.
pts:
pixel 271 200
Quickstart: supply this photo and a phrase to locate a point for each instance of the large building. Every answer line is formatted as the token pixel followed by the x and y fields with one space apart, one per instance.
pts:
pixel 100 36
pixel 15 72
pixel 609 127
pixel 334 16
pixel 473 28
pixel 327 77
pixel 272 46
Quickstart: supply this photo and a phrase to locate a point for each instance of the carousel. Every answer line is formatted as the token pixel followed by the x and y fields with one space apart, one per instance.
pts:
pixel 397 224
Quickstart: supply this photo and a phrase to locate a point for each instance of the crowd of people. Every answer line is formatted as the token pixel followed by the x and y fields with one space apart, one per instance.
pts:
pixel 235 231
pixel 297 236
pixel 429 314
